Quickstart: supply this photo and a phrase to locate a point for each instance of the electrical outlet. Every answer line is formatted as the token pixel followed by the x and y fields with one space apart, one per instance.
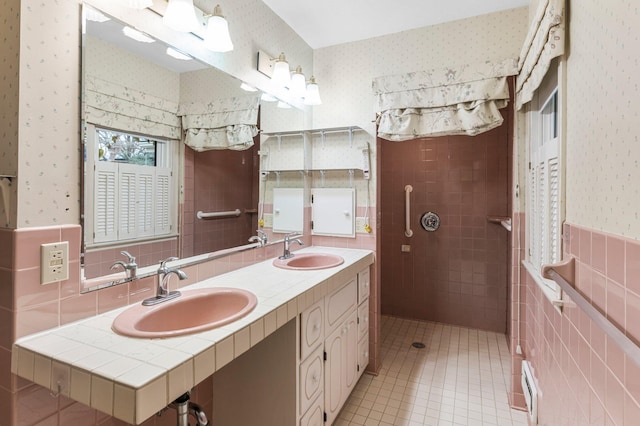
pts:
pixel 54 262
pixel 360 225
pixel 268 220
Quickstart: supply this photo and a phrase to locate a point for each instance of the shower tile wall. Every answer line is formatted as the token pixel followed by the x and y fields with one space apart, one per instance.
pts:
pixel 218 180
pixel 457 274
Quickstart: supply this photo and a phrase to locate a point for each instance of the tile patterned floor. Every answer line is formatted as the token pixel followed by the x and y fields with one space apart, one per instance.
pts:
pixel 460 378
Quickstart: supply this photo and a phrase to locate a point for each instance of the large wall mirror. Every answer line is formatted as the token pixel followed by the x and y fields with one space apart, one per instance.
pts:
pixel 143 187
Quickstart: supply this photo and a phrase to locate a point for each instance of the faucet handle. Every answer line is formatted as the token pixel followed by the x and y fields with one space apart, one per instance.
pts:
pixel 168 259
pixel 129 256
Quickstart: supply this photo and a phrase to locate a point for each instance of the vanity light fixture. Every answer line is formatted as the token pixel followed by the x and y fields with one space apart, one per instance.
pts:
pixel 217 38
pixel 181 16
pixel 137 35
pixel 281 74
pixel 312 96
pixel 178 55
pixel 298 83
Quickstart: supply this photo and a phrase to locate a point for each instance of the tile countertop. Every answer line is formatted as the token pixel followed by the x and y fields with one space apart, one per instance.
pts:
pixel 131 378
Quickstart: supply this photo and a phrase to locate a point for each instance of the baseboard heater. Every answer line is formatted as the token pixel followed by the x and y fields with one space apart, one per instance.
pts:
pixel 530 392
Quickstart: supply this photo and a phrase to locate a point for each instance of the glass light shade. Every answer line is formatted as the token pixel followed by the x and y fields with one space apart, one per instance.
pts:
pixel 138 4
pixel 280 74
pixel 217 37
pixel 137 35
pixel 298 84
pixel 312 97
pixel 181 16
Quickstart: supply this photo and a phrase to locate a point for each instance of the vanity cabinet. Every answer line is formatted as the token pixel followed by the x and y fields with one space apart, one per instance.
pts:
pixel 334 350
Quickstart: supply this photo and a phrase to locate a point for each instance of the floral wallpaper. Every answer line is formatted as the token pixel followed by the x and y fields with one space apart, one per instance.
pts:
pixel 603 141
pixel 9 89
pixel 49 149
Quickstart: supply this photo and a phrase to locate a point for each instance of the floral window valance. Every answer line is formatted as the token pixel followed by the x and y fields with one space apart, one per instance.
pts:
pixel 229 123
pixel 450 101
pixel 544 42
pixel 111 105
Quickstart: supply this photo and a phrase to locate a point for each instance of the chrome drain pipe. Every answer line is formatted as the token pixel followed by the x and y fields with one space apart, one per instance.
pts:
pixel 184 408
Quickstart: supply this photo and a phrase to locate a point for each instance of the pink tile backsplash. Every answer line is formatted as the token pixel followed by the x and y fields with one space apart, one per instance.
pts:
pixel 35 308
pixel 587 374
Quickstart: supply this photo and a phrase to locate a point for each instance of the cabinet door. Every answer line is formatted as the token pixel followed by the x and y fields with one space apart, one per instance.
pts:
pixel 363 354
pixel 350 373
pixel 311 379
pixel 311 331
pixel 315 415
pixel 341 366
pixel 363 319
pixel 333 373
pixel 364 284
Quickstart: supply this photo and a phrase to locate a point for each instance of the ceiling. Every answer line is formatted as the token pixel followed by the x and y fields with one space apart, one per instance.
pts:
pixel 330 22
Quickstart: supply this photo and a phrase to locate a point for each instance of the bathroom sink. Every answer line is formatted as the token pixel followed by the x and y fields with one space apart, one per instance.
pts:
pixel 193 311
pixel 309 261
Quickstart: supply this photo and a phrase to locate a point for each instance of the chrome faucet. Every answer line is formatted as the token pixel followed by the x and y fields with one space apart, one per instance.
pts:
pixel 162 290
pixel 130 267
pixel 287 243
pixel 260 238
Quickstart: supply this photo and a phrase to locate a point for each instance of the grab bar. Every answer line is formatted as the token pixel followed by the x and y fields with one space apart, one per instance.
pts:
pixel 627 345
pixel 407 211
pixel 213 215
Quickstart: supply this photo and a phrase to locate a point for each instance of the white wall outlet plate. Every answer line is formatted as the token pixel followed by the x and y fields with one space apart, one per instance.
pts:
pixel 268 220
pixel 54 262
pixel 360 223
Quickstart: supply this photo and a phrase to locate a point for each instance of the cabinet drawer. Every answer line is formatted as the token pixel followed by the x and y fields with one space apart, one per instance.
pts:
pixel 363 354
pixel 363 319
pixel 340 304
pixel 311 329
pixel 315 415
pixel 364 284
pixel 311 379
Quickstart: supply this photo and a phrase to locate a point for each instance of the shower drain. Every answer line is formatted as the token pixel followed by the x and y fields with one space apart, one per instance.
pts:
pixel 418 345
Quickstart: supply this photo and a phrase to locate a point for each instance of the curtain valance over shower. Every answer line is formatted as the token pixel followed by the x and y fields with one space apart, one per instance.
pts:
pixel 118 107
pixel 450 101
pixel 544 42
pixel 229 123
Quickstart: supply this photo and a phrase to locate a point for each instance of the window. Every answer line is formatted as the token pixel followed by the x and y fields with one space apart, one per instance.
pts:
pixel 128 187
pixel 544 211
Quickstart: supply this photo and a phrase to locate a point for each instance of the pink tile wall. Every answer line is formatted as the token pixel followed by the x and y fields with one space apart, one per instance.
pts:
pixel 98 262
pixel 583 376
pixel 459 273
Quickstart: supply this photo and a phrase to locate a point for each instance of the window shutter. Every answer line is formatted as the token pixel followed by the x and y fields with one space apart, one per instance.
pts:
pixel 127 196
pixel 106 202
pixel 144 210
pixel 163 201
pixel 554 210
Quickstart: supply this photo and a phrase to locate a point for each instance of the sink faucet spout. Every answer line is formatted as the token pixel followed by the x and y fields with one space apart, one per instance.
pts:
pixel 287 245
pixel 162 290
